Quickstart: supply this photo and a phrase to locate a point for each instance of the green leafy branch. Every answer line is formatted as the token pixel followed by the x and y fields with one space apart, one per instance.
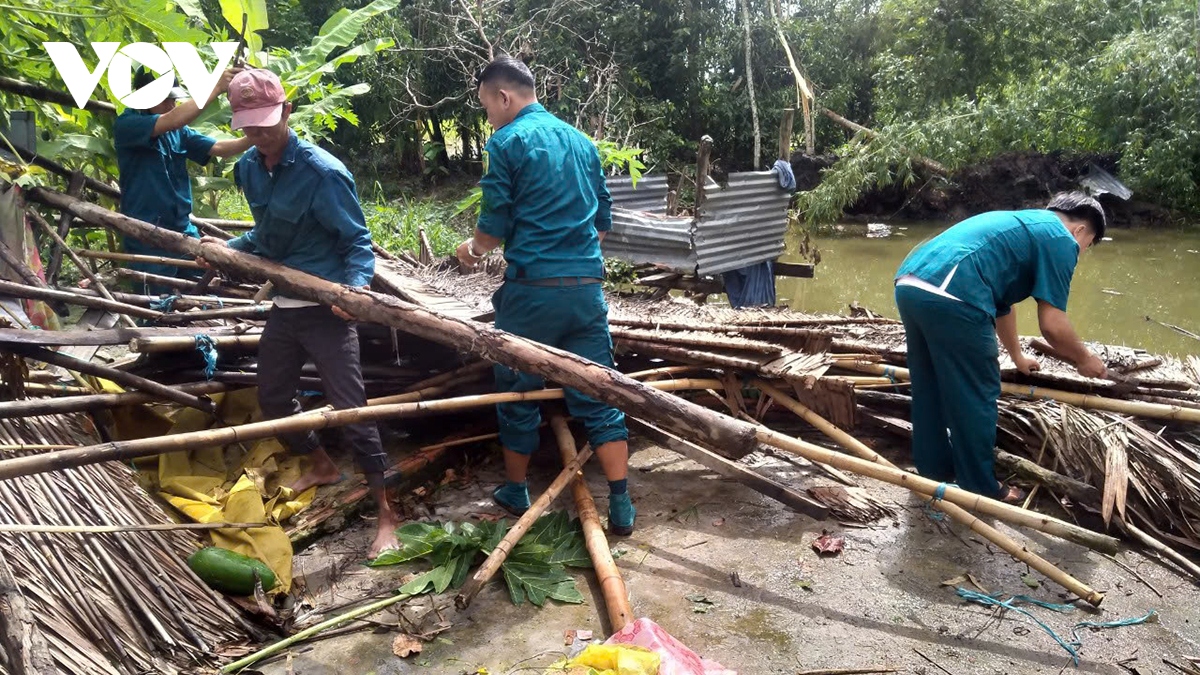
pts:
pixel 535 570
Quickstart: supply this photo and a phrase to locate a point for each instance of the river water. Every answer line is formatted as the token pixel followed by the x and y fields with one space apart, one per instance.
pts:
pixel 1117 283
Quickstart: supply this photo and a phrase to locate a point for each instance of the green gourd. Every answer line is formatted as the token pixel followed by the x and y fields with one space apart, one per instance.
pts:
pixel 230 572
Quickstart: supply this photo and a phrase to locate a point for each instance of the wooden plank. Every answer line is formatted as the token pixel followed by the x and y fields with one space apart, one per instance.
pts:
pixel 797 270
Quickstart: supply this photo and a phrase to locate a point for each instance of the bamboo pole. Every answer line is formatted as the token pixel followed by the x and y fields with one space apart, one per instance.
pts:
pixel 54 389
pixel 182 284
pixel 685 340
pixel 120 377
pixel 133 257
pixel 1136 408
pixel 121 529
pixel 33 281
pixel 499 554
pixel 256 311
pixel 1019 551
pixel 181 302
pixel 79 264
pixel 309 421
pixel 89 402
pixel 303 635
pixel 157 345
pixel 730 469
pixel 1159 547
pixel 704 426
pixel 612 586
pixel 968 500
pixel 56 296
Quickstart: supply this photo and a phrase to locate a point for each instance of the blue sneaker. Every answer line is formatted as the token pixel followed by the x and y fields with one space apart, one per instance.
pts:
pixel 512 497
pixel 621 514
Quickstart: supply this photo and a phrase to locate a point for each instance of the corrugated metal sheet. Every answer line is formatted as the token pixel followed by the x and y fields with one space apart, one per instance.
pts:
pixel 641 237
pixel 650 195
pixel 742 224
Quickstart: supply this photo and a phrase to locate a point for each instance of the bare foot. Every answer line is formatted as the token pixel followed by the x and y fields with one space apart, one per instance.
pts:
pixel 323 472
pixel 385 532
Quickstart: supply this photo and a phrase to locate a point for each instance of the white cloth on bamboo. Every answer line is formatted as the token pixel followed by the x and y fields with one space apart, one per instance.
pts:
pixel 915 282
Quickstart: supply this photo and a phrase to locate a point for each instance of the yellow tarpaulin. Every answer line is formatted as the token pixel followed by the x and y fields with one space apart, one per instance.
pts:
pixel 239 483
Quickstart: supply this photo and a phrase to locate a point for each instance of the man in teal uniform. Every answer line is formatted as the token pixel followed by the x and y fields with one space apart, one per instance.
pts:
pixel 153 148
pixel 956 294
pixel 545 199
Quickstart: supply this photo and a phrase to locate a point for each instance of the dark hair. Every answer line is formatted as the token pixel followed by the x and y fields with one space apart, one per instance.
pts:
pixel 507 70
pixel 144 76
pixel 1078 205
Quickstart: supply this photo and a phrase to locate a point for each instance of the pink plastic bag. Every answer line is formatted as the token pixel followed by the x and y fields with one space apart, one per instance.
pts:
pixel 677 659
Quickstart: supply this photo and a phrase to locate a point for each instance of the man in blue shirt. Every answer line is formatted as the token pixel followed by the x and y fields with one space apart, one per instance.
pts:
pixel 956 294
pixel 545 199
pixel 153 147
pixel 307 216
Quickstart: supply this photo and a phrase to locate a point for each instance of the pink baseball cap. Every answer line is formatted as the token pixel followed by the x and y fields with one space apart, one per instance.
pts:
pixel 257 97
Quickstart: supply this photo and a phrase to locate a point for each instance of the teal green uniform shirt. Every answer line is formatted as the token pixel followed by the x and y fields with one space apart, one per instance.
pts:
pixel 999 259
pixel 155 186
pixel 306 214
pixel 544 195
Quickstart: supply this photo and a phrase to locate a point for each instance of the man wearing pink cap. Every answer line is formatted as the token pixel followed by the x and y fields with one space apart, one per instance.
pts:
pixel 307 216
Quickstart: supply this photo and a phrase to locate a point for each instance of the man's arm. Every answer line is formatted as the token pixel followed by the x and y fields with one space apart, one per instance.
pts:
pixel 495 211
pixel 230 147
pixel 1061 335
pixel 340 211
pixel 187 112
pixel 1006 331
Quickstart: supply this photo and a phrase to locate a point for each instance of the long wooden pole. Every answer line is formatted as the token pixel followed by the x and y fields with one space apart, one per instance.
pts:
pixel 79 264
pixel 1136 408
pixel 707 427
pixel 121 529
pixel 499 554
pixel 41 406
pixel 37 91
pixel 133 257
pixel 309 421
pixel 968 500
pixel 1019 551
pixel 119 376
pixel 612 586
pixel 155 345
pixel 14 289
pixel 729 469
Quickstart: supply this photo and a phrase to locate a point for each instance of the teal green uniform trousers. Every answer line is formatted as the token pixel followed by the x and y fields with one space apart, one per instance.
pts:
pixel 952 362
pixel 574 319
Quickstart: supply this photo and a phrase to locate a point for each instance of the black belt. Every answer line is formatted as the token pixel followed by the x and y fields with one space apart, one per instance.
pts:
pixel 557 281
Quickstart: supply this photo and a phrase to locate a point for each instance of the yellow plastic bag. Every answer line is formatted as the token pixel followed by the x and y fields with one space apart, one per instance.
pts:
pixel 611 660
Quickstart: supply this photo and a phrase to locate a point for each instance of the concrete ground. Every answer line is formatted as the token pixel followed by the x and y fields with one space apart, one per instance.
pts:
pixel 880 603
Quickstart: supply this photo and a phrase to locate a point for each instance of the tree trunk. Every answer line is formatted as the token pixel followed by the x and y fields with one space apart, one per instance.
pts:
pixel 673 413
pixel 750 85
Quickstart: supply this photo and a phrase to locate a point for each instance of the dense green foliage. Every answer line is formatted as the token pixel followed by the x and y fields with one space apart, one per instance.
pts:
pixel 957 81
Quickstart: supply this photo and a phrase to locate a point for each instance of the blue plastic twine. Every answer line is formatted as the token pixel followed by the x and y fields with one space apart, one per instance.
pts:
pixel 208 349
pixel 164 304
pixel 939 494
pixel 1076 641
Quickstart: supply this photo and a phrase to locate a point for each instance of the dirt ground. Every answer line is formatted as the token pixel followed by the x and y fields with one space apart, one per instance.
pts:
pixel 880 603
